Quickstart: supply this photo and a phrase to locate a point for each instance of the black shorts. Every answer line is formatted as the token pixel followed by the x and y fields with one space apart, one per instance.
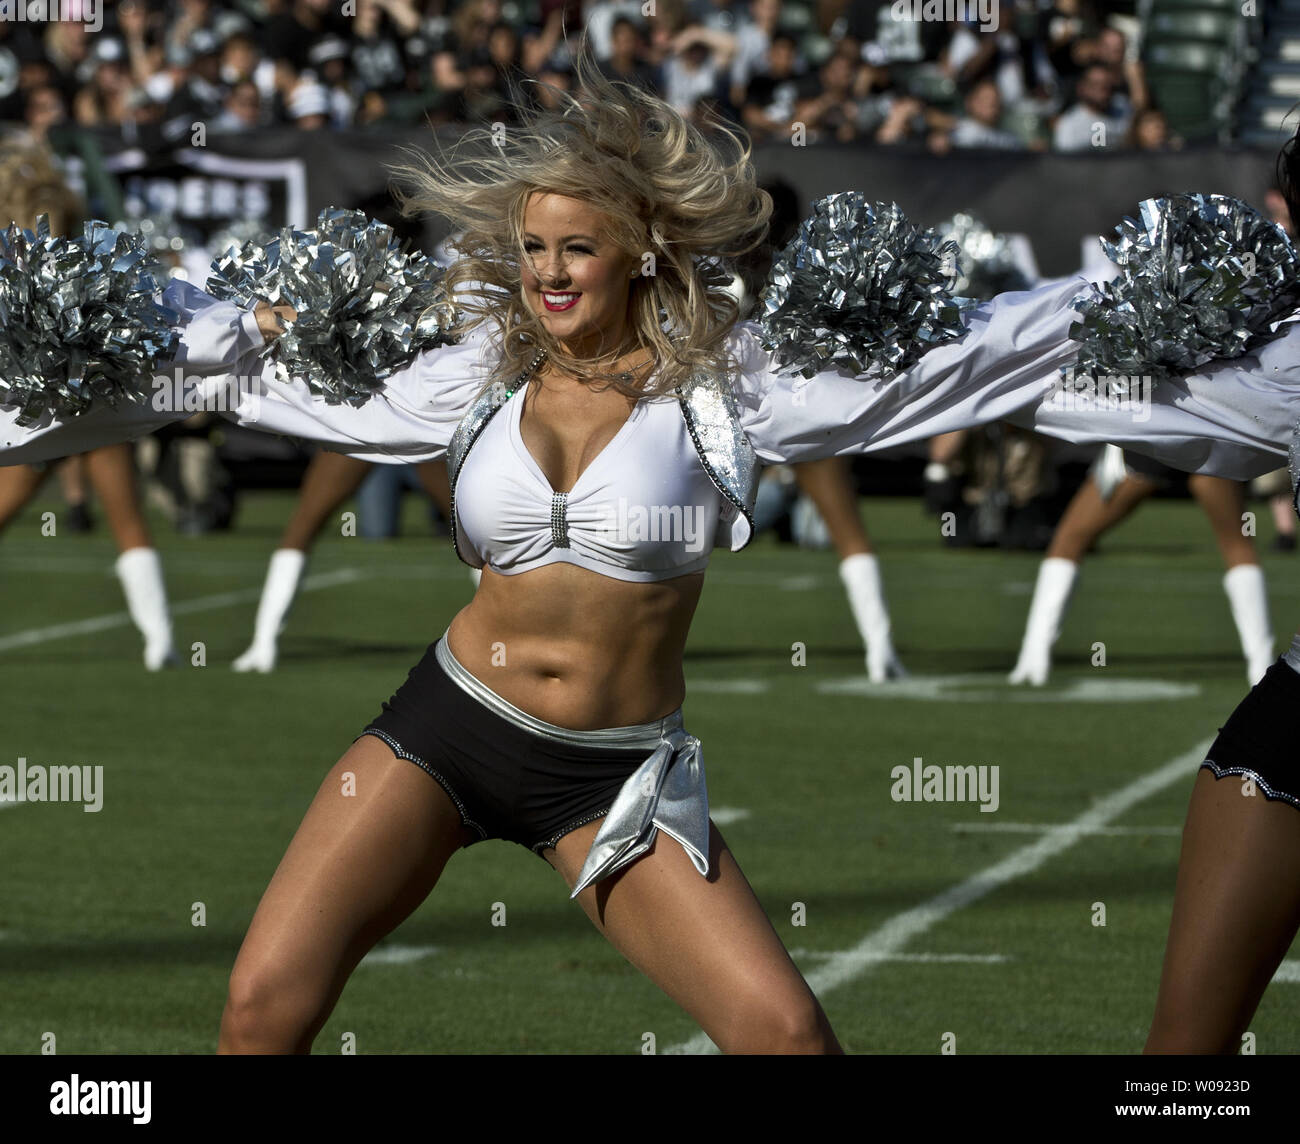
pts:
pixel 507 782
pixel 1151 470
pixel 1259 738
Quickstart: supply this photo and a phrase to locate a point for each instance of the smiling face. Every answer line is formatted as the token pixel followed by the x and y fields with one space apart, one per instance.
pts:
pixel 574 277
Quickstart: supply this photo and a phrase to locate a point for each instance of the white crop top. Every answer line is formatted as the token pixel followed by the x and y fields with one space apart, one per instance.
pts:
pixel 643 509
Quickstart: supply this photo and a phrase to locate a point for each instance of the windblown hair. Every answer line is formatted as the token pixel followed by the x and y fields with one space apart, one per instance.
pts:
pixel 682 203
pixel 32 184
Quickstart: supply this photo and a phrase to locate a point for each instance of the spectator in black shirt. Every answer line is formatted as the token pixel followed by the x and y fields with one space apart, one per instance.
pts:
pixel 103 101
pixel 290 35
pixel 627 62
pixel 469 34
pixel 377 58
pixel 826 104
pixel 768 106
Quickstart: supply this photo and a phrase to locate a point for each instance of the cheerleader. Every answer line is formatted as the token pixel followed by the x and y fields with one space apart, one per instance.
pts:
pixel 329 480
pixel 829 485
pixel 1115 487
pixel 596 382
pixel 1237 899
pixel 30 185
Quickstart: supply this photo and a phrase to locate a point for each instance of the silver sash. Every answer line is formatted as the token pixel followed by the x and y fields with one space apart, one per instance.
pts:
pixel 666 792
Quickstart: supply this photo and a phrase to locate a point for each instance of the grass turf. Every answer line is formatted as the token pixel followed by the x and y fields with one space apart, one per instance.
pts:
pixel 207 774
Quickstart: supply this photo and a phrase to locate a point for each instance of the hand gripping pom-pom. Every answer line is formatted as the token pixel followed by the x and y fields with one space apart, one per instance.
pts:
pixel 1201 277
pixel 80 325
pixel 860 288
pixel 365 308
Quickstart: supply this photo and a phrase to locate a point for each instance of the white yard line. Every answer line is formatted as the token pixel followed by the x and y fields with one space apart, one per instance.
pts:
pixel 919 958
pixel 33 636
pixel 727 686
pixel 850 964
pixel 1044 827
pixel 398 954
pixel 1288 972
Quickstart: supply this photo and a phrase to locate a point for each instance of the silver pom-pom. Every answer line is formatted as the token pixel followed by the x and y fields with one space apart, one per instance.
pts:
pixel 861 288
pixel 987 263
pixel 365 307
pixel 1202 277
pixel 79 322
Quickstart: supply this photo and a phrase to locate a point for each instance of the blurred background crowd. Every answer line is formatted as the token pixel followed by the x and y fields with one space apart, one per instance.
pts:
pixel 1033 74
pixel 924 101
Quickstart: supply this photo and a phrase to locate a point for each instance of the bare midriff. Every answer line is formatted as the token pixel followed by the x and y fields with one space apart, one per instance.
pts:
pixel 578 649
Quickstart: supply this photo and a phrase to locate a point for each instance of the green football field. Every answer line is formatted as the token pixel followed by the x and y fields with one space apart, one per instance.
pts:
pixel 919 919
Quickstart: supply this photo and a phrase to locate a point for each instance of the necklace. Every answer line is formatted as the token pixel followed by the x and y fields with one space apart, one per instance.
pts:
pixel 532 367
pixel 527 372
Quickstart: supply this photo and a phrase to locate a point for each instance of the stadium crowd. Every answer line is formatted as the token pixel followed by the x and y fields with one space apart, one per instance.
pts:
pixel 1054 74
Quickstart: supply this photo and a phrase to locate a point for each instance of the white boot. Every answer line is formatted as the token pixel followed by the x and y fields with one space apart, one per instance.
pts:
pixel 1248 598
pixel 140 572
pixel 1056 577
pixel 282 577
pixel 860 575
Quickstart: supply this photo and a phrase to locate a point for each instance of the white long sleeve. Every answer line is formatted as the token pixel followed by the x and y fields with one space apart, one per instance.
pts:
pixel 1233 419
pixel 216 340
pixel 411 419
pixel 1011 345
pixel 217 367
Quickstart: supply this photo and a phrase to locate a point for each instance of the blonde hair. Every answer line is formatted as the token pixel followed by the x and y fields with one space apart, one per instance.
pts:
pixel 32 184
pixel 682 203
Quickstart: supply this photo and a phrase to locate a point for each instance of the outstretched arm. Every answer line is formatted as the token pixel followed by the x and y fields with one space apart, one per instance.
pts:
pixel 217 368
pixel 1230 418
pixel 216 341
pixel 1013 345
pixel 330 379
pixel 1189 355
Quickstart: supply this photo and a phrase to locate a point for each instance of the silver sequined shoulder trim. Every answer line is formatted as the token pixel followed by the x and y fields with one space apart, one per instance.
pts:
pixel 713 421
